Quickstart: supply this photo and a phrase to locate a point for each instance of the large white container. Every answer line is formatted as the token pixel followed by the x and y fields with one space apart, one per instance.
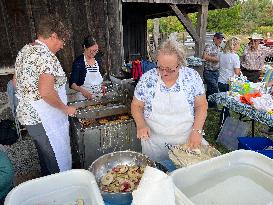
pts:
pixel 63 188
pixel 241 177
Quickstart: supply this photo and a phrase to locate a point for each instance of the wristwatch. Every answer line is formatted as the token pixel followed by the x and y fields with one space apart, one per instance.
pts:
pixel 201 132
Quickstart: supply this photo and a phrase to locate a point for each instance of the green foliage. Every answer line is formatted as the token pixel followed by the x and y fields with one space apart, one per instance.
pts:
pixel 241 50
pixel 245 17
pixel 225 20
pixel 256 13
pixel 265 29
pixel 170 24
pixel 150 25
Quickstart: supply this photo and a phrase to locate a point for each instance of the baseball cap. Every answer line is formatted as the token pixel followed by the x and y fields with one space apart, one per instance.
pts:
pixel 219 35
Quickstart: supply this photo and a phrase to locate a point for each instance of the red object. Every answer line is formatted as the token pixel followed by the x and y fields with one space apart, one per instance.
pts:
pixel 268 42
pixel 136 69
pixel 246 98
pixel 115 169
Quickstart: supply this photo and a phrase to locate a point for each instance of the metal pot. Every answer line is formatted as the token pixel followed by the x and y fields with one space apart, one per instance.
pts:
pixel 106 162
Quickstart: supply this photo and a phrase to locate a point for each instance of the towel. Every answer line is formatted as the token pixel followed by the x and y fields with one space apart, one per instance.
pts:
pixel 155 187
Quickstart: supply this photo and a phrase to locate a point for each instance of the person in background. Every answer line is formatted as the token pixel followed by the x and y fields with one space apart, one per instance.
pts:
pixel 136 70
pixel 253 58
pixel 169 104
pixel 229 66
pixel 6 175
pixel 87 75
pixel 252 62
pixel 42 101
pixel 211 65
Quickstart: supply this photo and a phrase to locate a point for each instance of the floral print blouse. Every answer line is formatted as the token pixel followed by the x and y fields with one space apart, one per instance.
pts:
pixel 189 80
pixel 254 59
pixel 32 61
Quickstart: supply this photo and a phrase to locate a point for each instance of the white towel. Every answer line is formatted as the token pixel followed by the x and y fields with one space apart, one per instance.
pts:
pixel 155 188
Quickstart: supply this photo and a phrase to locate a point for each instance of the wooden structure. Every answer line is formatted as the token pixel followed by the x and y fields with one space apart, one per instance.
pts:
pixel 118 25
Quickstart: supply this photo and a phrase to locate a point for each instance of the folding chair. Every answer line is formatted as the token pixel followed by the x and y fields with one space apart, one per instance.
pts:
pixel 13 102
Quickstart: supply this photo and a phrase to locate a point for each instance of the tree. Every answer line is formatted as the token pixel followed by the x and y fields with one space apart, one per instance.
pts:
pixel 245 17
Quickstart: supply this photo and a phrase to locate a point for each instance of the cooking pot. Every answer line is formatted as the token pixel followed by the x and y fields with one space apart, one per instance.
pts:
pixel 106 162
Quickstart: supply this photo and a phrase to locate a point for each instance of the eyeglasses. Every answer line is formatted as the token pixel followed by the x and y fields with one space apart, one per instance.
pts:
pixel 166 69
pixel 93 51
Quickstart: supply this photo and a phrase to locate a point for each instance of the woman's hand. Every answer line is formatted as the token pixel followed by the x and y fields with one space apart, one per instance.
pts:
pixel 103 89
pixel 86 93
pixel 70 111
pixel 194 139
pixel 143 132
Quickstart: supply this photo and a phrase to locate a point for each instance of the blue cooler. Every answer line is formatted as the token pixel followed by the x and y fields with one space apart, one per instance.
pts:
pixel 257 144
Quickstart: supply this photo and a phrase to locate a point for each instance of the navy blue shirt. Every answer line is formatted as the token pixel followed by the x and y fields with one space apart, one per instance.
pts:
pixel 78 73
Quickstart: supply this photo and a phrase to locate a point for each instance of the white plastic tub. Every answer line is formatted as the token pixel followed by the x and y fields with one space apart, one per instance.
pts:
pixel 64 188
pixel 241 177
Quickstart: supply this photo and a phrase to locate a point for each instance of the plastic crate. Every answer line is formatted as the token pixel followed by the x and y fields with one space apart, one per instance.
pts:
pixel 258 144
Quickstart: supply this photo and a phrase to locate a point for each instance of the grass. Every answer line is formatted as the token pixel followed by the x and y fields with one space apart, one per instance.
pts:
pixel 212 129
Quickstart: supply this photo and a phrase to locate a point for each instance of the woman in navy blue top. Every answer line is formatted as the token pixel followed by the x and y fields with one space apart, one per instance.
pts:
pixel 86 76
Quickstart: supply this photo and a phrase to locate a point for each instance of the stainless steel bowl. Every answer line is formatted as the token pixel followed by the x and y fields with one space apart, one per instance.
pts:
pixel 106 162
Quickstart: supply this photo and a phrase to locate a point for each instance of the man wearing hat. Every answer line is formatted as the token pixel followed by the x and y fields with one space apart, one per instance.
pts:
pixel 211 65
pixel 253 58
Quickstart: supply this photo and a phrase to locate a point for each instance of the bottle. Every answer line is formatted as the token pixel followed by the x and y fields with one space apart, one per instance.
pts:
pixel 246 87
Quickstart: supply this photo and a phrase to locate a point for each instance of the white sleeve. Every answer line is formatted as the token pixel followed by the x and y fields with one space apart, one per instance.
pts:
pixel 236 61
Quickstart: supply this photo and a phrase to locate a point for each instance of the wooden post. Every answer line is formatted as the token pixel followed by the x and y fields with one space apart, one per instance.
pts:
pixel 156 32
pixel 186 22
pixel 201 29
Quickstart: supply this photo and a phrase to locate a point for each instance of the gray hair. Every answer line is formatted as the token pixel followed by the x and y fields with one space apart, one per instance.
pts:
pixel 50 24
pixel 230 44
pixel 172 47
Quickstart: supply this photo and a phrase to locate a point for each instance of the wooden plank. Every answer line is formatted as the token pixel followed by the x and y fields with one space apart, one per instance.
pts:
pixel 121 31
pixel 201 29
pixel 185 20
pixel 7 45
pixel 31 20
pixel 107 36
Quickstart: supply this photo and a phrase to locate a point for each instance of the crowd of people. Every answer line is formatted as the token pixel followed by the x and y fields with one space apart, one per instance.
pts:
pixel 222 63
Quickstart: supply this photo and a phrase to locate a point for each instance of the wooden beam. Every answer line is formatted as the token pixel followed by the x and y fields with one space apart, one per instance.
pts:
pixel 185 20
pixel 202 21
pixel 168 1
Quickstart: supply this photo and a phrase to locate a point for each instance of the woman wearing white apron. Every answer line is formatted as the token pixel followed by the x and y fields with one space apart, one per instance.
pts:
pixel 86 76
pixel 169 104
pixel 40 88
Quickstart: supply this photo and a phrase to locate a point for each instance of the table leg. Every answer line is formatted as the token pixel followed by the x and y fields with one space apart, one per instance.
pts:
pixel 253 127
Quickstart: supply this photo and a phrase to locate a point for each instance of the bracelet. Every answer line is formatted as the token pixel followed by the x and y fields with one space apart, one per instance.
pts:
pixel 201 132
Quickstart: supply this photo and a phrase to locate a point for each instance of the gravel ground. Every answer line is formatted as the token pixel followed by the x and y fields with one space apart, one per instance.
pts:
pixel 24 158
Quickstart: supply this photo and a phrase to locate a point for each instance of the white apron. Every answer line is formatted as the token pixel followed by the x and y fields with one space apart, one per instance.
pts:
pixel 56 125
pixel 170 122
pixel 92 81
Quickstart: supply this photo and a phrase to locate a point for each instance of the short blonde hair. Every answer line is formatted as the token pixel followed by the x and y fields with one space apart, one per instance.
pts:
pixel 231 43
pixel 172 47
